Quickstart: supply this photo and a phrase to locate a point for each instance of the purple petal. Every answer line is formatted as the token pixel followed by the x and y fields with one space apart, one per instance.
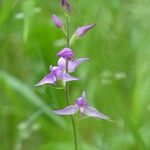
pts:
pixel 81 103
pixel 66 53
pixel 70 110
pixel 72 65
pixel 57 72
pixel 67 78
pixel 62 63
pixel 92 112
pixel 58 22
pixel 48 79
pixel 82 30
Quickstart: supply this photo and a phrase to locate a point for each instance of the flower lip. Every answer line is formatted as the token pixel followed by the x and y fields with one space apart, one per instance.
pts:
pixel 66 53
pixel 81 102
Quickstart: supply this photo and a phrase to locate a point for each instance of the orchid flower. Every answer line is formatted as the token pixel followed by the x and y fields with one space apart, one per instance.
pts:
pixel 58 22
pixel 82 30
pixel 55 75
pixel 82 107
pixel 67 54
pixel 72 64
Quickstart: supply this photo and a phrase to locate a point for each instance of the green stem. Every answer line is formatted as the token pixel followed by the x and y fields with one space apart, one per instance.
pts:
pixel 67 92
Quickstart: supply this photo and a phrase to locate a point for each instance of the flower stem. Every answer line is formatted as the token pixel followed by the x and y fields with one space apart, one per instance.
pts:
pixel 67 92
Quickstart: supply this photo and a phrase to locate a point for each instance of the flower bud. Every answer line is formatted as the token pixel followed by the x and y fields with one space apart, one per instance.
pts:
pixel 58 22
pixel 82 30
pixel 65 4
pixel 66 53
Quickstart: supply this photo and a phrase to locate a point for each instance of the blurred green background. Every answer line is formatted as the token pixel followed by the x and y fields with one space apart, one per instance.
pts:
pixel 117 77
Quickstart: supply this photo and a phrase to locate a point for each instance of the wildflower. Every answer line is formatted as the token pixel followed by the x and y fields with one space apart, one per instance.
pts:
pixel 82 30
pixel 82 107
pixel 58 22
pixel 66 53
pixel 65 4
pixel 55 75
pixel 72 64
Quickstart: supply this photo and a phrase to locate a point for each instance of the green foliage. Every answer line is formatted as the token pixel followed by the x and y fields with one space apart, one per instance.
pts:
pixel 116 78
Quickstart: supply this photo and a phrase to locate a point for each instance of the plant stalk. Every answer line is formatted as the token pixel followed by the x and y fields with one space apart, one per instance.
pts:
pixel 67 92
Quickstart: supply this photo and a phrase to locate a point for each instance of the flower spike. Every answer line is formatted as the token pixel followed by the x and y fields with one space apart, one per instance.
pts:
pixel 58 22
pixel 81 31
pixel 82 107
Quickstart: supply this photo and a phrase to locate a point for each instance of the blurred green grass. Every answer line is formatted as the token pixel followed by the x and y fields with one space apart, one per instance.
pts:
pixel 117 77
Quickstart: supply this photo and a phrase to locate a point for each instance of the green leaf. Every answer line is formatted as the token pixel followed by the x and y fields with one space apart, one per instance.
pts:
pixel 30 96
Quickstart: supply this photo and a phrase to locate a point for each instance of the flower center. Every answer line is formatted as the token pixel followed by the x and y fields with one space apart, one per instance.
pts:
pixel 81 103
